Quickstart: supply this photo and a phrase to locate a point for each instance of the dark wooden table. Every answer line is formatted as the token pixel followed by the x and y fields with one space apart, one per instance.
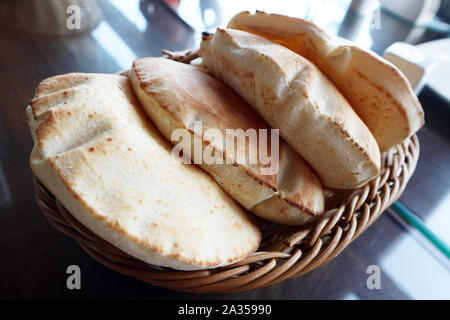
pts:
pixel 34 256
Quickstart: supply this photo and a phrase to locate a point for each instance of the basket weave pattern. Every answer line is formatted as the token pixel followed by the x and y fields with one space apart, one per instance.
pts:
pixel 285 251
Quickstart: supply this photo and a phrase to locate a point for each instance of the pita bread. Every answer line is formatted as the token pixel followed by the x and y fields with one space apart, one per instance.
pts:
pixel 99 154
pixel 378 92
pixel 175 94
pixel 292 94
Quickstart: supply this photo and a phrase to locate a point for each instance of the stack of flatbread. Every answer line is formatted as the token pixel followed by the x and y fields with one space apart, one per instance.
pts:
pixel 104 144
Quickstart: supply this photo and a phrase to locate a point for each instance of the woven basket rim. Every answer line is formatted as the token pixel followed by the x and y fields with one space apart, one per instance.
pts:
pixel 286 251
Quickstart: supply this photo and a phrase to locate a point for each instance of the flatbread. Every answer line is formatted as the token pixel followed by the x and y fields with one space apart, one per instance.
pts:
pixel 376 89
pixel 99 154
pixel 175 95
pixel 293 95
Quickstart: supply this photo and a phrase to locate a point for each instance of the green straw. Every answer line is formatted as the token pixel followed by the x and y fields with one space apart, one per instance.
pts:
pixel 413 220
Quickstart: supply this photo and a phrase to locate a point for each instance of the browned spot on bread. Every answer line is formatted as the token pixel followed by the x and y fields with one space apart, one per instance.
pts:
pixel 363 151
pixel 237 226
pixel 387 94
pixel 311 43
pixel 268 95
pixel 299 207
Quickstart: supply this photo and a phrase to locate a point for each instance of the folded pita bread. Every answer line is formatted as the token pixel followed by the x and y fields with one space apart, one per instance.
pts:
pixel 99 154
pixel 292 94
pixel 378 92
pixel 175 94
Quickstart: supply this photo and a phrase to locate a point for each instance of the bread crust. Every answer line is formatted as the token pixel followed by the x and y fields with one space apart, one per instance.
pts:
pixel 377 90
pixel 292 94
pixel 99 154
pixel 173 94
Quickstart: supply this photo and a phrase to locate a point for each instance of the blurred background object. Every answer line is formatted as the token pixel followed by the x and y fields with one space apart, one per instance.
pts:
pixel 439 52
pixel 415 65
pixel 173 3
pixel 206 15
pixel 418 12
pixel 444 11
pixel 363 7
pixel 373 24
pixel 426 63
pixel 50 17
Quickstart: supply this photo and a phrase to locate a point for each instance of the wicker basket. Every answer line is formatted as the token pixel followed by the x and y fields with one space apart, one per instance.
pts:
pixel 285 251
